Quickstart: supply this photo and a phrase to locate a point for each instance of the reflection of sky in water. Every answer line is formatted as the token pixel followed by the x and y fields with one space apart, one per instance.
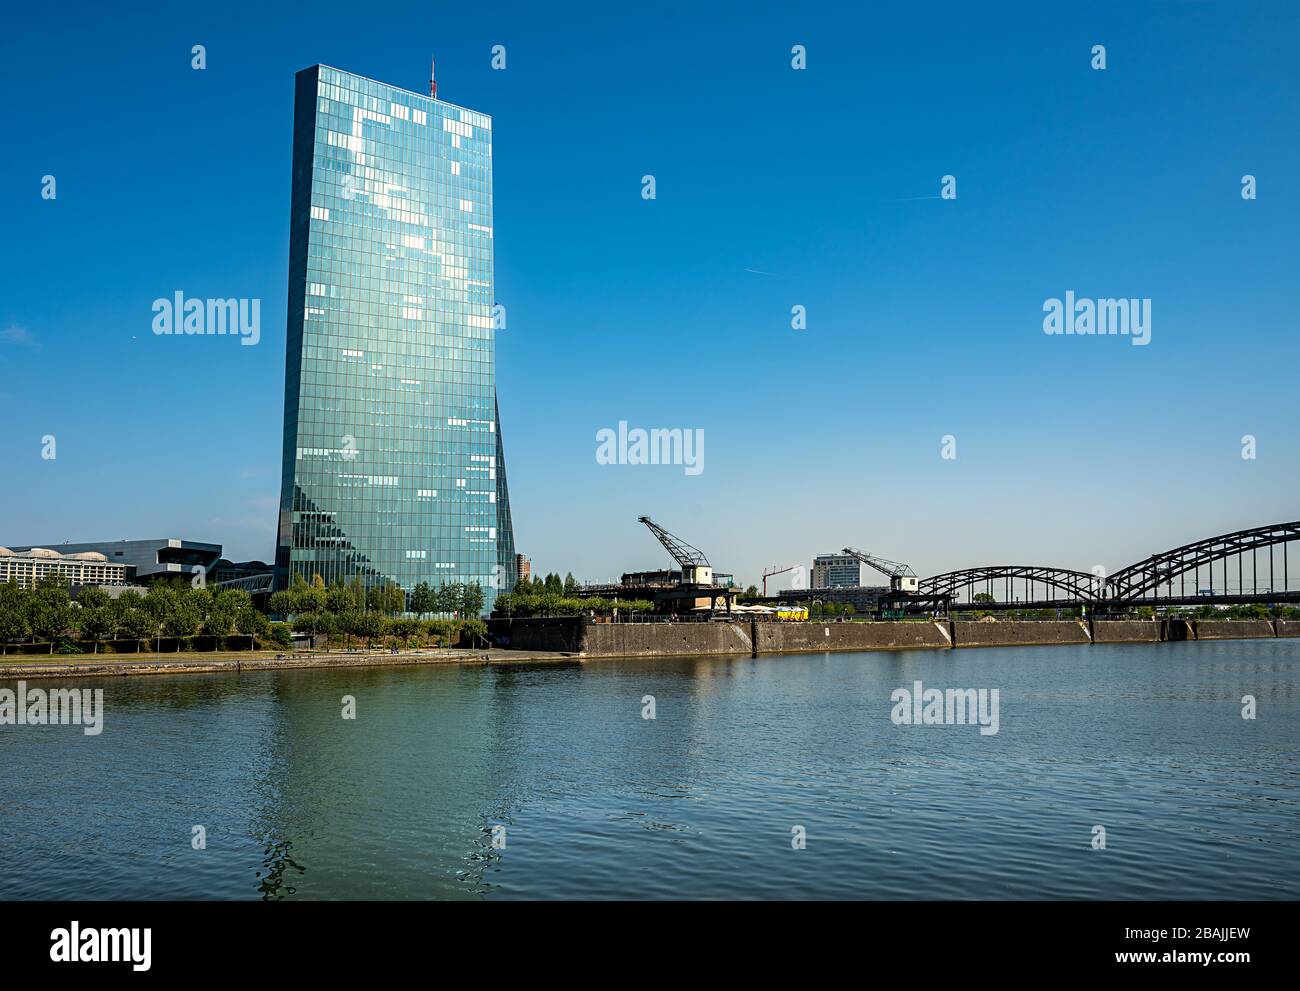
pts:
pixel 1146 740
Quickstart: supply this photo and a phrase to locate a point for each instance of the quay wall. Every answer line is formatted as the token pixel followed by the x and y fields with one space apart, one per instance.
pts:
pixel 776 638
pixel 653 639
pixel 563 633
pixel 1231 629
pixel 1125 631
pixel 1018 633
pixel 578 635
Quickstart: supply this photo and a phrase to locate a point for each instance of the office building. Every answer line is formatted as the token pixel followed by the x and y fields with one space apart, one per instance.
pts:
pixel 836 571
pixel 29 566
pixel 147 560
pixel 393 464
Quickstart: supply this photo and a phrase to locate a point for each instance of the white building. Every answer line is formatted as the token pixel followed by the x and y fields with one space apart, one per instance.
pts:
pixel 86 568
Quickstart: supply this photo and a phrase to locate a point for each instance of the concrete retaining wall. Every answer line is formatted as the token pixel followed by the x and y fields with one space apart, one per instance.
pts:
pixel 1125 631
pixel 651 639
pixel 1231 629
pixel 1018 633
pixel 576 635
pixel 562 633
pixel 775 638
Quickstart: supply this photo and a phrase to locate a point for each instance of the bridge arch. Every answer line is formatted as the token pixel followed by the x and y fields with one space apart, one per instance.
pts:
pixel 1077 584
pixel 1144 578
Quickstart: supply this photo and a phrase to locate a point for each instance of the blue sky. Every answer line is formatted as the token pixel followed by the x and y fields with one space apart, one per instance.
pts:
pixel 924 315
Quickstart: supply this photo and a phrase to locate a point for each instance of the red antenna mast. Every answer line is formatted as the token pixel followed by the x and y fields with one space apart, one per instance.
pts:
pixel 433 84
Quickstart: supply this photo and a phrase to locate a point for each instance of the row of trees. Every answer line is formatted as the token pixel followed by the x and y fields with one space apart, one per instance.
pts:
pixel 303 597
pixel 552 584
pixel 46 614
pixel 343 629
pixel 343 611
pixel 521 603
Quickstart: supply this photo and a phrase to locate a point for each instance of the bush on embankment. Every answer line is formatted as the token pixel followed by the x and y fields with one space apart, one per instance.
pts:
pixel 523 606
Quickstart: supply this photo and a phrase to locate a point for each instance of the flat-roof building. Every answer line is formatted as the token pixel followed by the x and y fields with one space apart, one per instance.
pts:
pixel 160 557
pixel 29 565
pixel 836 571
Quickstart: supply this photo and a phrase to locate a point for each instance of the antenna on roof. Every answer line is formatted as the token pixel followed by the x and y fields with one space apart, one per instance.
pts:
pixel 433 84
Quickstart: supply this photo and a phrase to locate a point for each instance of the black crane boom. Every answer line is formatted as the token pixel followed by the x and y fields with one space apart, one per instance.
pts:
pixel 682 552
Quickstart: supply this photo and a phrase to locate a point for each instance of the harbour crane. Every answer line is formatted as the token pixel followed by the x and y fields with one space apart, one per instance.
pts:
pixel 696 569
pixel 901 577
pixel 774 571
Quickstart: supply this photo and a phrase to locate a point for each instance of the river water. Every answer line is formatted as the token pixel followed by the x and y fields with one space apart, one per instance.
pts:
pixel 703 801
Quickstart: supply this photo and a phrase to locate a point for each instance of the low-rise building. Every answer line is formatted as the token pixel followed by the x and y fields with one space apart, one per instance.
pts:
pixel 30 564
pixel 865 599
pixel 163 557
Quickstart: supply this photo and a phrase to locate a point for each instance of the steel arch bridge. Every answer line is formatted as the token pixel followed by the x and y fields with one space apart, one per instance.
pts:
pixel 1160 578
pixel 1079 585
pixel 1147 577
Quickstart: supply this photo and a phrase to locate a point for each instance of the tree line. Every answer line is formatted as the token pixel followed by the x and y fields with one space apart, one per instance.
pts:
pixel 525 604
pixel 346 610
pixel 46 614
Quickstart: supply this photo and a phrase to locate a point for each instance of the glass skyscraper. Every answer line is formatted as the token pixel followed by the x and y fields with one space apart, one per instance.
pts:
pixel 393 463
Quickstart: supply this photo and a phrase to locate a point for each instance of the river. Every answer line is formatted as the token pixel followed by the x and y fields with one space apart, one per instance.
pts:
pixel 705 800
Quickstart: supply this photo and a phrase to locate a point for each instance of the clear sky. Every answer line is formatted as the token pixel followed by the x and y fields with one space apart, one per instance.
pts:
pixel 774 188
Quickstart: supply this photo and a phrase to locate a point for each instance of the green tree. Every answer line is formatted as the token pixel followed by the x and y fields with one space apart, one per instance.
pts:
pixel 13 614
pixel 311 599
pixel 423 599
pixel 49 610
pixel 340 599
pixel 97 622
pixel 281 635
pixel 370 627
pixel 388 599
pixel 160 603
pixel 349 624
pixel 471 601
pixel 570 584
pixel 283 603
pixel 315 623
pixel 553 585
pixel 183 620
pixel 219 624
pixel 251 623
pixel 135 623
pixel 449 598
pixel 93 597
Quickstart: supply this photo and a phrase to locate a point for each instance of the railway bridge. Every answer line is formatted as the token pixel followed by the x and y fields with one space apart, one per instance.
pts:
pixel 1245 566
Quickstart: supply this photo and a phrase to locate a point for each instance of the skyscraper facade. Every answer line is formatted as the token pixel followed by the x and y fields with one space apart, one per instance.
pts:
pixel 393 467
